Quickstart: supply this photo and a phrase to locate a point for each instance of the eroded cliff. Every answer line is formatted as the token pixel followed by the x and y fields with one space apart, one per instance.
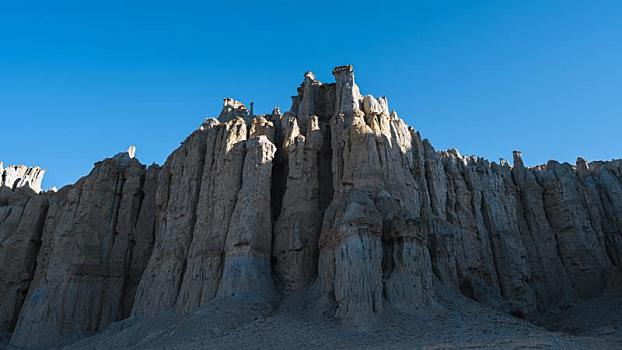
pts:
pixel 337 196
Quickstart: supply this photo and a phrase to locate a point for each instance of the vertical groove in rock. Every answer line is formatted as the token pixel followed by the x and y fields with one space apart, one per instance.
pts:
pixel 375 211
pixel 142 239
pixel 222 179
pixel 195 191
pixel 296 231
pixel 279 167
pixel 167 264
pixel 246 271
pixel 187 207
pixel 325 173
pixel 77 286
pixel 20 240
pixel 578 244
pixel 610 191
pixel 491 238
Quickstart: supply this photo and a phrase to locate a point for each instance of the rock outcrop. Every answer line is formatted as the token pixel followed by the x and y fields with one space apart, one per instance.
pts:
pixel 215 219
pixel 22 214
pixel 94 244
pixel 297 229
pixel 15 176
pixel 337 197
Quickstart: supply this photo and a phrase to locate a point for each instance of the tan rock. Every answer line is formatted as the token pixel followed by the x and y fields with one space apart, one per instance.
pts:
pixel 82 266
pixel 297 230
pixel 185 187
pixel 221 181
pixel 246 271
pixel 337 198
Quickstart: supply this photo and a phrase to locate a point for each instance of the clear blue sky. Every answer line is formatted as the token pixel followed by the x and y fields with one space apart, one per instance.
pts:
pixel 80 81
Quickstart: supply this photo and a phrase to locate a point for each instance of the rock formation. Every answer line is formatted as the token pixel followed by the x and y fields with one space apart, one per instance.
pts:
pixel 22 214
pixel 337 196
pixel 95 240
pixel 15 176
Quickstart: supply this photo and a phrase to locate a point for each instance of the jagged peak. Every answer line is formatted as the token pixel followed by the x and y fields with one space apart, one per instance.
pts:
pixel 124 159
pixel 131 151
pixel 518 159
pixel 276 113
pixel 345 69
pixel 16 176
pixel 231 109
pixel 261 126
pixel 582 165
pixel 230 102
pixel 208 123
pixel 309 76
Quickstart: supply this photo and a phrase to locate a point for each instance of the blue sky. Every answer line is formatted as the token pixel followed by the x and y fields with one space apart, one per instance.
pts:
pixel 80 82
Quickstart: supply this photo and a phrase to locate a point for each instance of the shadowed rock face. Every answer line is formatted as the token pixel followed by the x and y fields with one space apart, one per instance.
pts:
pixel 22 214
pixel 337 195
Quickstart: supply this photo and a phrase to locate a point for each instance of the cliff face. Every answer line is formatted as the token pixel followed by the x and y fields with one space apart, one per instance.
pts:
pixel 22 214
pixel 337 195
pixel 91 241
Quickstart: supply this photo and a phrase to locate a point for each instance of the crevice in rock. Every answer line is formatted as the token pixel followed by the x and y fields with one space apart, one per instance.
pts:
pixel 388 245
pixel 124 310
pixel 141 198
pixel 596 227
pixel 549 222
pixel 278 181
pixel 325 171
pixel 36 247
pixel 116 203
pixel 612 248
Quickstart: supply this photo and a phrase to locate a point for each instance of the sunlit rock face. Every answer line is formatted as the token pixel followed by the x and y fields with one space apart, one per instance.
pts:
pixel 337 197
pixel 15 176
pixel 95 240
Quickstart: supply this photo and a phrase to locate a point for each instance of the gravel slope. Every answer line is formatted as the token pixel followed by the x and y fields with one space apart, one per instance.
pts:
pixel 453 323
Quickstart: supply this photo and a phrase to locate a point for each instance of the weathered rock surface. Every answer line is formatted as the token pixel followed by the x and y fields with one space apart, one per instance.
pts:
pixel 22 214
pixel 86 264
pixel 337 198
pixel 215 219
pixel 372 246
pixel 297 230
pixel 14 176
pixel 246 272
